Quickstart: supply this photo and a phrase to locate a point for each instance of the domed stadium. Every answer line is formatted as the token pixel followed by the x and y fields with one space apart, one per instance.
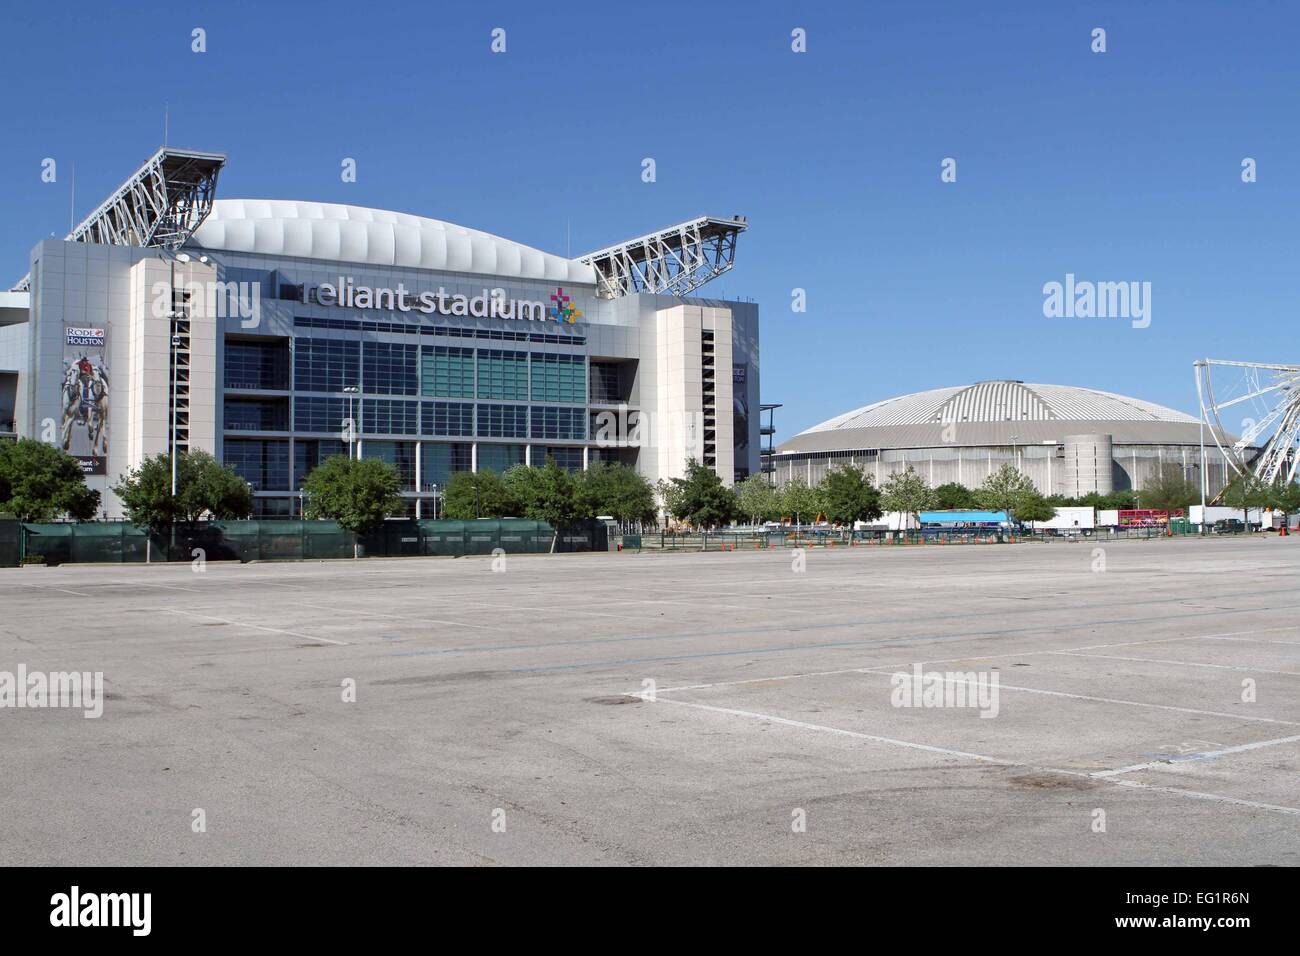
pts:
pixel 1071 441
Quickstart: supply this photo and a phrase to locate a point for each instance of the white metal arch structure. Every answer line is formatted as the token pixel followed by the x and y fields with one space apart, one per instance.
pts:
pixel 677 260
pixel 1268 398
pixel 159 205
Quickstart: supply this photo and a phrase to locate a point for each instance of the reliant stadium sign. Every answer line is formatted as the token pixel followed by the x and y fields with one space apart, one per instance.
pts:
pixel 491 304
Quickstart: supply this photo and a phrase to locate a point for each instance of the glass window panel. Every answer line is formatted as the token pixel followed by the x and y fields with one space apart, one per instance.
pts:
pixel 390 368
pixel 499 457
pixel 447 372
pixel 503 421
pixel 264 464
pixel 502 374
pixel 559 378
pixel 326 365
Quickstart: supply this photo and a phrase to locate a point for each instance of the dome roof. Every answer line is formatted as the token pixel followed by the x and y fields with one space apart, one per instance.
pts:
pixel 997 413
pixel 334 232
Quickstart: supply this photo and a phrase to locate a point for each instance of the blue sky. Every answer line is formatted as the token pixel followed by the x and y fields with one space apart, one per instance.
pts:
pixel 1122 166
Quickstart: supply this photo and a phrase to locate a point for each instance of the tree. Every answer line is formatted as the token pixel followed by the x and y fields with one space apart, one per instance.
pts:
pixel 670 494
pixel 204 486
pixel 849 495
pixel 1034 507
pixel 39 482
pixel 954 497
pixel 1005 490
pixel 1284 496
pixel 906 492
pixel 1119 500
pixel 550 494
pixel 758 500
pixel 798 501
pixel 480 494
pixel 701 498
pixel 1169 490
pixel 357 493
pixel 1246 492
pixel 612 488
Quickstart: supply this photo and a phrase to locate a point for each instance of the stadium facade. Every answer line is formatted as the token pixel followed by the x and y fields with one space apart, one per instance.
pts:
pixel 1071 441
pixel 276 333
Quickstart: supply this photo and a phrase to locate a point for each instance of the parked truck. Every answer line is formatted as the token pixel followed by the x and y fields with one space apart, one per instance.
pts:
pixel 1220 519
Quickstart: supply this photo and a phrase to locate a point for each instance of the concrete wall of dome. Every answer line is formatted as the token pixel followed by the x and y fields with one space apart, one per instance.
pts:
pixel 1057 435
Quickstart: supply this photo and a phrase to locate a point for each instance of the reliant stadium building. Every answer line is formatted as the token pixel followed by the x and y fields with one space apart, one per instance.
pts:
pixel 274 334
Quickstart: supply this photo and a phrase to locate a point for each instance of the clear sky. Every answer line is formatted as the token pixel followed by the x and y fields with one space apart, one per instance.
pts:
pixel 1115 166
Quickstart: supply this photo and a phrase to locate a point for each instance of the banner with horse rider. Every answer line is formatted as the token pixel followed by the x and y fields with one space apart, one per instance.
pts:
pixel 84 430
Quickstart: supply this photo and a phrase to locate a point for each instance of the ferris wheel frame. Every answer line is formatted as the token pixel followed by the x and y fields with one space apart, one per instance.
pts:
pixel 1281 421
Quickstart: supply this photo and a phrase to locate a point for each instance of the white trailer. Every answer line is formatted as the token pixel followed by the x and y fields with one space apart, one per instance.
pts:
pixel 1069 519
pixel 889 521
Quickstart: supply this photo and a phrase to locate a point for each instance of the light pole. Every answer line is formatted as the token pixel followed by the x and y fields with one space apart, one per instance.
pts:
pixel 435 502
pixel 352 422
pixel 1203 476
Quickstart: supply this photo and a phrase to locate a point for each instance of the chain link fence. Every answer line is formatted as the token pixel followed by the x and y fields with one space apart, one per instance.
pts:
pixel 758 540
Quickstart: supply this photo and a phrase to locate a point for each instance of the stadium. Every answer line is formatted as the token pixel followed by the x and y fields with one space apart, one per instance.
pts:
pixel 1071 441
pixel 275 333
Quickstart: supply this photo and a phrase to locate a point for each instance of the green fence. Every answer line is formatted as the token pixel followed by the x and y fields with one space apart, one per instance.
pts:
pixel 11 543
pixel 122 543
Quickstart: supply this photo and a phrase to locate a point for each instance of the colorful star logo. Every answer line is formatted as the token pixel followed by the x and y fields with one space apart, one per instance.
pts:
pixel 564 310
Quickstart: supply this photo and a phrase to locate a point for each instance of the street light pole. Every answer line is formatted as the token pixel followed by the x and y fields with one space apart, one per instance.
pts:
pixel 352 422
pixel 1204 476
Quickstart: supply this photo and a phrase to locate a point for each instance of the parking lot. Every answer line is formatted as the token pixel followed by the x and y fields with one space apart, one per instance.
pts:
pixel 720 708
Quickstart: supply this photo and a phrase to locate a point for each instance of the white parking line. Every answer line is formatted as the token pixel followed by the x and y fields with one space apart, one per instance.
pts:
pixel 763 680
pixel 47 587
pixel 396 617
pixel 1069 651
pixel 1193 757
pixel 1129 703
pixel 983 758
pixel 803 725
pixel 1255 640
pixel 258 627
pixel 1217 798
pixel 1164 660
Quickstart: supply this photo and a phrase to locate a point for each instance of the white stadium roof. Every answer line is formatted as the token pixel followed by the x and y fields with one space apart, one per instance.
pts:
pixel 1003 401
pixel 997 413
pixel 334 232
